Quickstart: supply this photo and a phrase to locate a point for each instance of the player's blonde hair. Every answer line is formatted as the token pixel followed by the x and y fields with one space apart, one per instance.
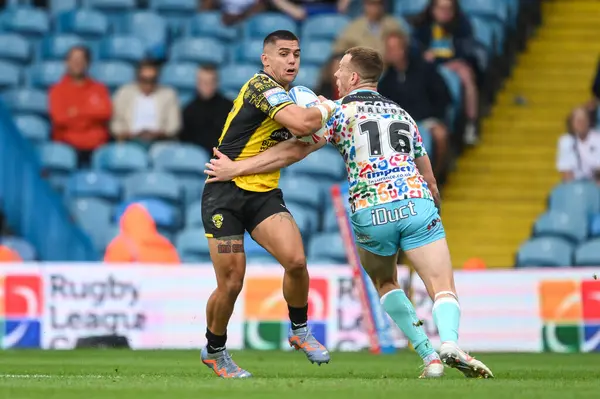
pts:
pixel 367 62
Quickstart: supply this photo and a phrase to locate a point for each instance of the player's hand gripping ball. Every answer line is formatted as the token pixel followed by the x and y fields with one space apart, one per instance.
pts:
pixel 306 98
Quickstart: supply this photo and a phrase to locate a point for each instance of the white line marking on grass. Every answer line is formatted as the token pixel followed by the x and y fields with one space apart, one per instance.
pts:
pixel 34 376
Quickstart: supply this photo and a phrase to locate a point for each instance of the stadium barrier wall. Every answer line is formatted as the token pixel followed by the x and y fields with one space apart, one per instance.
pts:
pixel 51 305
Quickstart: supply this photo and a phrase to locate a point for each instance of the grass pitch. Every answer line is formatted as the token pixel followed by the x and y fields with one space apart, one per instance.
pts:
pixel 118 374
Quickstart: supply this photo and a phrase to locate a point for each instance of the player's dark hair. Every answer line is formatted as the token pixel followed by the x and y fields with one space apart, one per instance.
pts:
pixel 146 63
pixel 84 49
pixel 368 63
pixel 279 35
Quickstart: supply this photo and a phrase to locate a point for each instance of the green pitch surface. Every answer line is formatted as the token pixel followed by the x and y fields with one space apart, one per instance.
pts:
pixel 180 375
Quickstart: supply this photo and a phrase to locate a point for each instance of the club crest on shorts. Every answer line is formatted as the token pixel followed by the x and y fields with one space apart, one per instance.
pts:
pixel 217 220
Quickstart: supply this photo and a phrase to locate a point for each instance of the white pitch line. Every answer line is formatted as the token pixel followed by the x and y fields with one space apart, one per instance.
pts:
pixel 34 376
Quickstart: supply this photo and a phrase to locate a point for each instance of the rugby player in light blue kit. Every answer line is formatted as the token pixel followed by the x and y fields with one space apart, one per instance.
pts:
pixel 393 197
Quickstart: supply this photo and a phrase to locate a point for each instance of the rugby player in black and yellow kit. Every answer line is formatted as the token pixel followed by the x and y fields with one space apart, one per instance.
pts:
pixel 262 116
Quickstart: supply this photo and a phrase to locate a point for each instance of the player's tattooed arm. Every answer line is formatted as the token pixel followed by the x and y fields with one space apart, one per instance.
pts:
pixel 230 245
pixel 275 158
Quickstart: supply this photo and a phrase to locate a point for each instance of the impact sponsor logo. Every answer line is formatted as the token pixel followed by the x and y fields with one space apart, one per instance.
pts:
pixel 91 306
pixel 570 311
pixel 377 175
pixel 266 317
pixel 21 308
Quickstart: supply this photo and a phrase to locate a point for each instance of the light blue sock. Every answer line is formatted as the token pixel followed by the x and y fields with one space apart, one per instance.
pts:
pixel 446 315
pixel 397 305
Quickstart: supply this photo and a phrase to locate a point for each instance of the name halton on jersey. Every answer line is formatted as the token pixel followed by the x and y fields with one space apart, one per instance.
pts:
pixel 379 107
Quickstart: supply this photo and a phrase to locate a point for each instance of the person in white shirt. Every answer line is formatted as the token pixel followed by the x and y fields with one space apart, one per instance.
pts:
pixel 578 155
pixel 145 111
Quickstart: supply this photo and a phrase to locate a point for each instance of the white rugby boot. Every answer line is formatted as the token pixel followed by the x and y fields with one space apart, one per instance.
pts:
pixel 432 367
pixel 454 357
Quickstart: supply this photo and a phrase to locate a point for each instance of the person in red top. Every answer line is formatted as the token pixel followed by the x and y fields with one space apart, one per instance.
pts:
pixel 80 107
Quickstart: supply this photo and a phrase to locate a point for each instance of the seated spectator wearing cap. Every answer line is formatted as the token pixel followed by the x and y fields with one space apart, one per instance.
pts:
pixel 417 87
pixel 144 110
pixel 578 155
pixel 139 241
pixel 368 30
pixel 80 107
pixel 205 115
pixel 446 37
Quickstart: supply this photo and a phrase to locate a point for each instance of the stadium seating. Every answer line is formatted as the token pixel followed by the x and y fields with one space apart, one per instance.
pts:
pixel 576 197
pixel 94 216
pixel 595 226
pixel 166 216
pixel 210 24
pixel 58 6
pixel 296 190
pixel 323 27
pixel 248 52
pixel 201 50
pixel 122 48
pixel 308 76
pixel 588 254
pixel 26 101
pixel 193 215
pixel 192 245
pixel 260 25
pixel 14 48
pixel 148 26
pixel 25 250
pixel 113 74
pixel 45 74
pixel 121 158
pixel 562 224
pixel 87 23
pixel 161 185
pixel 29 22
pixel 316 52
pixel 93 183
pixel 56 47
pixel 10 75
pixel 59 161
pixel 34 128
pixel 111 7
pixel 409 7
pixel 306 218
pixel 545 252
pixel 312 165
pixel 327 248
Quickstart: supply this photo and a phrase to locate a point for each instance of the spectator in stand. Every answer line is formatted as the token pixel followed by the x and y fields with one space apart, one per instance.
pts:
pixel 368 30
pixel 235 11
pixel 144 110
pixel 205 115
pixel 327 86
pixel 300 9
pixel 139 241
pixel 417 87
pixel 578 155
pixel 446 37
pixel 80 107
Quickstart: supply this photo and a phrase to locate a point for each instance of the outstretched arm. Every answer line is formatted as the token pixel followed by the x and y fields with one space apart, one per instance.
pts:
pixel 277 157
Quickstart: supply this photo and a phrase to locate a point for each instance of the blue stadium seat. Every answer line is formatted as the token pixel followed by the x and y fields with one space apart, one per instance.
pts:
pixel 56 47
pixel 160 146
pixel 308 76
pixel 166 216
pixel 27 21
pixel 93 215
pixel 113 74
pixel 300 190
pixel 111 7
pixel 25 250
pixel 233 77
pixel 14 47
pixel 185 96
pixel 87 23
pixel 327 247
pixel 484 34
pixel 324 164
pixel 45 74
pixel 148 26
pixel 409 7
pixel 105 234
pixel 330 221
pixel 179 75
pixel 252 248
pixel 260 25
pixel 10 75
pixel 595 226
pixel 545 252
pixel 180 8
pixel 562 224
pixel 307 218
pixel 323 27
pixel 35 128
pixel 193 215
pixel 588 254
pixel 201 50
pixel 26 101
pixel 427 138
pixel 497 11
pixel 58 6
pixel 120 158
pixel 316 52
pixel 210 24
pixel 454 85
pixel 58 161
pixel 249 52
pixel 153 184
pixel 122 48
pixel 583 197
pixel 186 161
pixel 93 183
pixel 192 245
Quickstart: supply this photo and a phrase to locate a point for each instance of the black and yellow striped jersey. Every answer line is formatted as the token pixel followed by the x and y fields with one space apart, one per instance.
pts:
pixel 250 127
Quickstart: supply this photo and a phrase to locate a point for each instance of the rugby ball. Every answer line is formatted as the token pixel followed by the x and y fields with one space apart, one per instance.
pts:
pixel 306 98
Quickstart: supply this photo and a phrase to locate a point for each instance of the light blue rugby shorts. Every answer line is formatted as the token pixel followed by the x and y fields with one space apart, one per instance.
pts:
pixel 407 224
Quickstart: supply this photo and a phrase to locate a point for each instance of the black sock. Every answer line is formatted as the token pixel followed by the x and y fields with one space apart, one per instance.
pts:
pixel 298 316
pixel 216 343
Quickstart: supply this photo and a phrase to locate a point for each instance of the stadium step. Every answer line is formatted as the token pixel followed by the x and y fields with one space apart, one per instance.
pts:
pixel 501 186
